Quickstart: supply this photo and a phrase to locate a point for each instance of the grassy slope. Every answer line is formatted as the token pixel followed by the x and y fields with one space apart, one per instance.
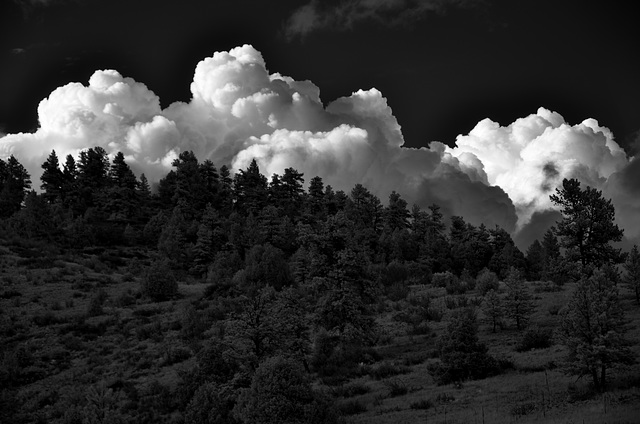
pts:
pixel 135 345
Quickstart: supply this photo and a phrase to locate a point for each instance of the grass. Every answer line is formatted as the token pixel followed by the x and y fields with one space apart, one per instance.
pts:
pixel 55 350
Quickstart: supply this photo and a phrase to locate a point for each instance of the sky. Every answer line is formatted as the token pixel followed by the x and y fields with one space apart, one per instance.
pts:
pixel 480 105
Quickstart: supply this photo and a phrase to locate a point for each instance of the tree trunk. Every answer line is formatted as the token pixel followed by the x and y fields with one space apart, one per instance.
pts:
pixel 596 378
pixel 603 378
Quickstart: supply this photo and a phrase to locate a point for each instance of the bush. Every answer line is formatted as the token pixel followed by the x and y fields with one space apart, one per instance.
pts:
pixel 396 388
pixel 351 390
pixel 487 281
pixel 535 338
pixel 386 370
pixel 554 309
pixel 455 286
pixel 95 303
pixel 421 404
pixel 442 279
pixel 352 407
pixel 159 282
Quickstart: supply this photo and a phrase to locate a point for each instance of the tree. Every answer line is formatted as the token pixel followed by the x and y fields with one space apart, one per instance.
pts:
pixel 493 309
pixel 281 393
pixel 518 302
pixel 587 226
pixel 52 178
pixel 396 215
pixel 462 355
pixel 632 274
pixel 250 189
pixel 15 183
pixel 593 327
pixel 535 260
pixel 212 403
pixel 159 282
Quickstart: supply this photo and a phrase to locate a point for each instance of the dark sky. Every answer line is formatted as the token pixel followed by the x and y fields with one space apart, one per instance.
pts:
pixel 442 70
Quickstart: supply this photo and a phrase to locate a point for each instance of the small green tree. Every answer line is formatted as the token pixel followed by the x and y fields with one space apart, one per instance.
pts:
pixel 518 302
pixel 632 274
pixel 593 327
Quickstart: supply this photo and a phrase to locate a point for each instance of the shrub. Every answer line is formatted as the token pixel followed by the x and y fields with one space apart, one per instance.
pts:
pixel 397 291
pixel 486 281
pixel 351 390
pixel 442 279
pixel 352 407
pixel 535 338
pixel 421 404
pixel 159 282
pixel 554 309
pixel 456 286
pixel 396 388
pixel 386 370
pixel 95 303
pixel 281 392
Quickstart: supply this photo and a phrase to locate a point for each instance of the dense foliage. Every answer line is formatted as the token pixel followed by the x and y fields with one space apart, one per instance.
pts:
pixel 297 279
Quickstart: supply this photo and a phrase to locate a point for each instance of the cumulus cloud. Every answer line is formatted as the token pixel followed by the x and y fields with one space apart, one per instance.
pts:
pixel 497 175
pixel 531 156
pixel 344 15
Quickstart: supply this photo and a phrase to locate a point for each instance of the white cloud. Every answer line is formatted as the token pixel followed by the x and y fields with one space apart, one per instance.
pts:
pixel 531 156
pixel 240 111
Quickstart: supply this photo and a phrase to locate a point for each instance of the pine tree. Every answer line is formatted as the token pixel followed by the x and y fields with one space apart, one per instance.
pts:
pixel 396 214
pixel 250 189
pixel 518 302
pixel 52 178
pixel 535 261
pixel 493 309
pixel 587 227
pixel 15 183
pixel 593 327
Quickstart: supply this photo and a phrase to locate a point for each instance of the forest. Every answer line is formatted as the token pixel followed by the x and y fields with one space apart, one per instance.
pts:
pixel 216 297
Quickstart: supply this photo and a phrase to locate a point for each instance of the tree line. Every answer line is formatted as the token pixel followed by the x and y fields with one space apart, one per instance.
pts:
pixel 306 269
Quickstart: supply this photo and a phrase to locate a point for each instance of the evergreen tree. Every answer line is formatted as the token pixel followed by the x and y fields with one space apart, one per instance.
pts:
pixel 281 393
pixel 587 228
pixel 396 214
pixel 535 261
pixel 15 183
pixel 250 189
pixel 52 178
pixel 493 309
pixel 593 327
pixel 518 302
pixel 463 356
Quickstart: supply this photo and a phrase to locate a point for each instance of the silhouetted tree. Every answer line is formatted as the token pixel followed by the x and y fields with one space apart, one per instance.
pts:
pixel 52 178
pixel 15 183
pixel 587 228
pixel 250 189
